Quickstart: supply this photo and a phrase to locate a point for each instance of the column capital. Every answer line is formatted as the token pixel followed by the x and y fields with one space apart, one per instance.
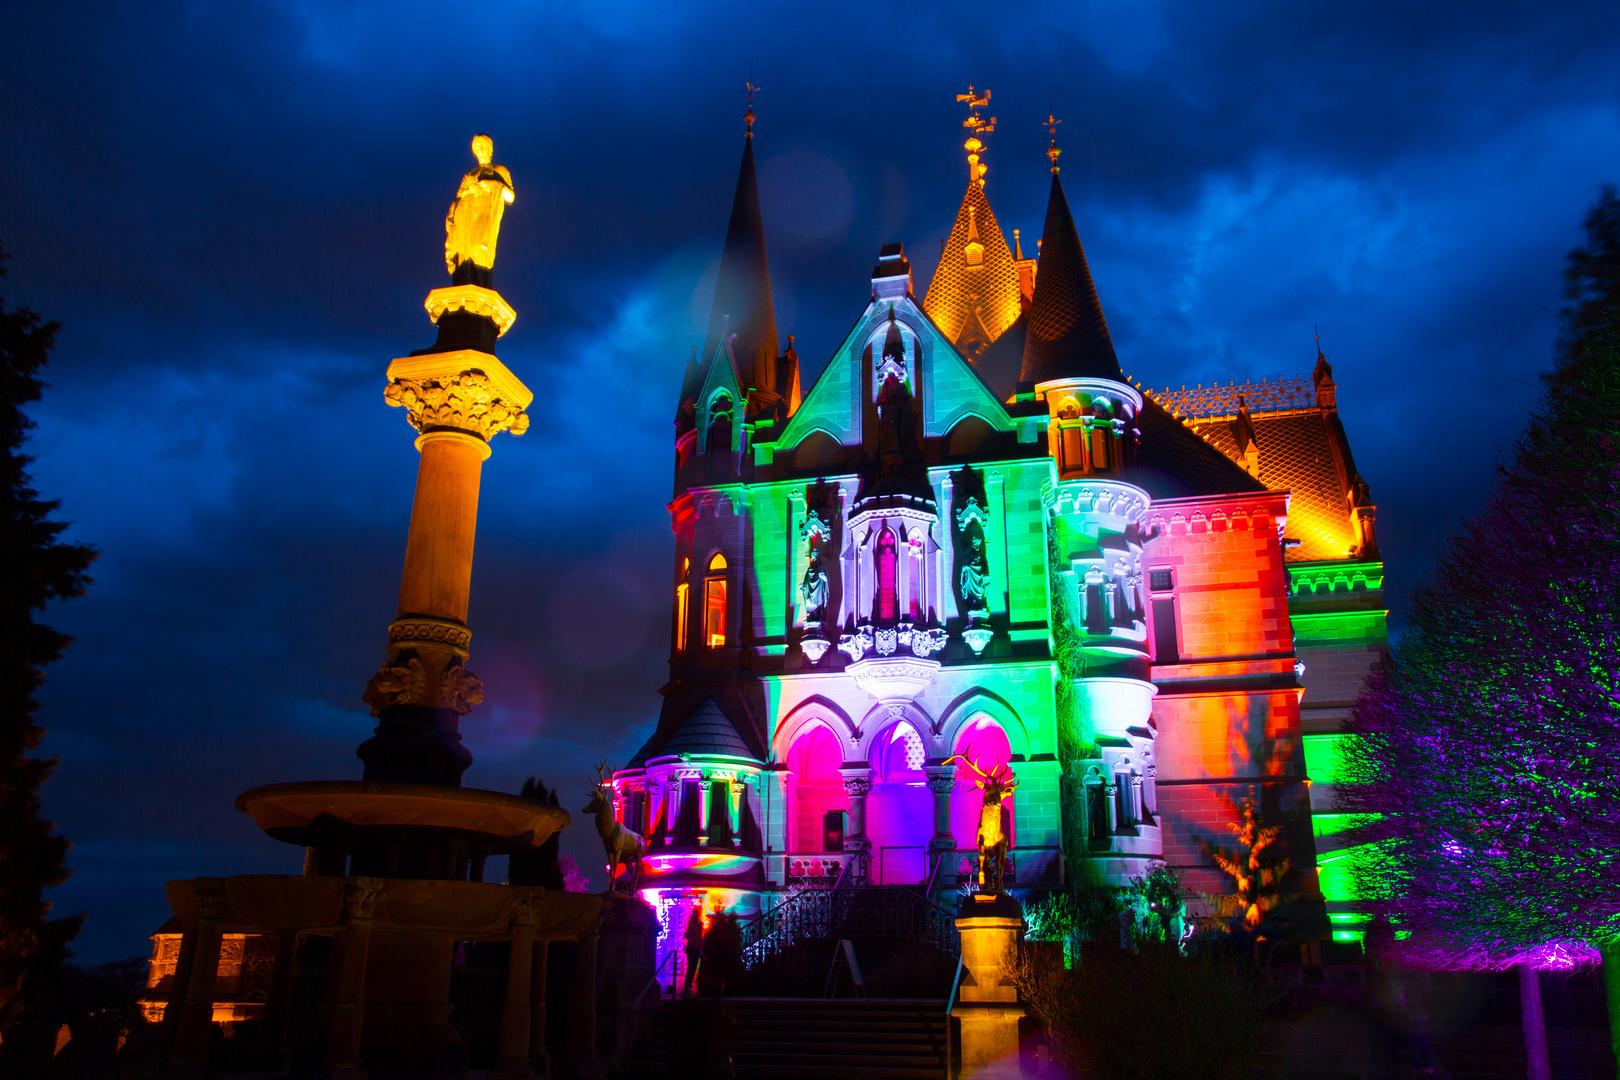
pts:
pixel 461 391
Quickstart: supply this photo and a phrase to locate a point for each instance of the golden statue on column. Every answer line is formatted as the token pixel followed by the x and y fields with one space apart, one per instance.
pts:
pixel 474 220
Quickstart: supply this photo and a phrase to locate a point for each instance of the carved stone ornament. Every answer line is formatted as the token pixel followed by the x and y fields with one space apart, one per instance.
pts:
pixel 858 785
pixel 395 684
pixel 941 785
pixel 468 401
pixel 409 633
pixel 461 689
pixel 360 898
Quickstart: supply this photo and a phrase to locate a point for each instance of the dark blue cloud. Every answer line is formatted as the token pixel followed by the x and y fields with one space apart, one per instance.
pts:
pixel 236 210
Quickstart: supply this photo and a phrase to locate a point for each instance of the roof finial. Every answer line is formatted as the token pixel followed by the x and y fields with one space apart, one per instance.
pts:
pixel 1051 129
pixel 748 117
pixel 1318 330
pixel 978 125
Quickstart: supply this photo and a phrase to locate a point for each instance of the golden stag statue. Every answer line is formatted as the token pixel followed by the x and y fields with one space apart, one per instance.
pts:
pixel 996 786
pixel 622 845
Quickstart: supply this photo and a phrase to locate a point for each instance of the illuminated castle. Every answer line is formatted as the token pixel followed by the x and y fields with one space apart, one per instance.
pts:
pixel 975 534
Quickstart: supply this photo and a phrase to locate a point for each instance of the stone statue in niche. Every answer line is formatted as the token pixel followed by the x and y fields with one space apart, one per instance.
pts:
pixel 474 220
pixel 975 576
pixel 813 587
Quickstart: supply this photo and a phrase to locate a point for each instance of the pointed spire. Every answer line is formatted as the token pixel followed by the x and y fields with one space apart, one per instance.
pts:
pixel 743 289
pixel 1068 334
pixel 1322 377
pixel 975 293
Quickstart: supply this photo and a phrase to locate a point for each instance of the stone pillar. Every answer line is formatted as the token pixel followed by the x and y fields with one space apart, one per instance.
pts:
pixel 987 1006
pixel 347 1008
pixel 179 984
pixel 197 1015
pixel 459 400
pixel 582 1037
pixel 941 780
pixel 512 1052
pixel 858 785
pixel 537 1009
pixel 274 1032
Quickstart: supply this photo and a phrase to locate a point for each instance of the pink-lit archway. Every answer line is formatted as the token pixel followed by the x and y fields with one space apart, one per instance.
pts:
pixel 900 809
pixel 816 786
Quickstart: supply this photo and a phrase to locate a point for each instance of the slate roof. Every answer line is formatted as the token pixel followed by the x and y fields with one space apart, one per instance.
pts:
pixel 1173 462
pixel 990 289
pixel 1297 453
pixel 1068 334
pixel 706 730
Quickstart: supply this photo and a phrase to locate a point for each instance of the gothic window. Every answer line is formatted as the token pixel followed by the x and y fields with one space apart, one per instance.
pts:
pixel 1096 812
pixel 714 604
pixel 682 600
pixel 888 608
pixel 1099 450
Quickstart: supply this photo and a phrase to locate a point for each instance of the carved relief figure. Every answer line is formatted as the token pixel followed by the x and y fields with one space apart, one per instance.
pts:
pixel 474 220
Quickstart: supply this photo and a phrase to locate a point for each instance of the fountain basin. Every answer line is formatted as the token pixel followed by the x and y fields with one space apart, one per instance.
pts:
pixel 299 813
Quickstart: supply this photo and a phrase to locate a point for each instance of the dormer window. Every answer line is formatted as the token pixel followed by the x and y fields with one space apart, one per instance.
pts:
pixel 714 603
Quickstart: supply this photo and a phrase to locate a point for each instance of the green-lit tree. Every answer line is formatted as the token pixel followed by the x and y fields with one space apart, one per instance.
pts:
pixel 1485 744
pixel 35 569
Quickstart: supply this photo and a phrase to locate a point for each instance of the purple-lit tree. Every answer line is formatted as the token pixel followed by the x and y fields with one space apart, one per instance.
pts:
pixel 1487 740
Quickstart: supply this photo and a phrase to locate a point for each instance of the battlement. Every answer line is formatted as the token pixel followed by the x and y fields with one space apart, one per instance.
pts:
pixel 1272 395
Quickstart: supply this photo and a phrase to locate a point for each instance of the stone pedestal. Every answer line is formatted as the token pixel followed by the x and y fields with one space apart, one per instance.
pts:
pixel 987 1004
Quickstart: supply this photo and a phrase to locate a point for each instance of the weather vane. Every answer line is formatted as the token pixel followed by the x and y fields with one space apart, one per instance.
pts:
pixel 1051 129
pixel 748 117
pixel 978 125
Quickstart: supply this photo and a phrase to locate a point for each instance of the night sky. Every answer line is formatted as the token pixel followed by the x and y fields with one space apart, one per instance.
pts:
pixel 237 209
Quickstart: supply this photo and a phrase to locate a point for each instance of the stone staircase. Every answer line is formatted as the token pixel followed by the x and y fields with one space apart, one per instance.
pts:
pixel 864 1039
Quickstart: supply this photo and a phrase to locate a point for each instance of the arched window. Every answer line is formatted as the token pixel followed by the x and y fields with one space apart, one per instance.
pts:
pixel 683 596
pixel 714 603
pixel 888 608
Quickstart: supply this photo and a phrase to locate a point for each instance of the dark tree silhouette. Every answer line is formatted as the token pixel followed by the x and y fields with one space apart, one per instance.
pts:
pixel 1484 763
pixel 35 568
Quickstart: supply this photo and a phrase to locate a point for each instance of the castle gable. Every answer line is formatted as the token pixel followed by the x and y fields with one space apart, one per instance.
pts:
pixel 951 389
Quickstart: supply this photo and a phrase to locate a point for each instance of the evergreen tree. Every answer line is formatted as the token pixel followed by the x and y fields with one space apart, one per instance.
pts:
pixel 35 568
pixel 1487 738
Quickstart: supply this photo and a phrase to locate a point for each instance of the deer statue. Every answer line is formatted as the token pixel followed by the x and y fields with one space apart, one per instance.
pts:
pixel 996 786
pixel 621 844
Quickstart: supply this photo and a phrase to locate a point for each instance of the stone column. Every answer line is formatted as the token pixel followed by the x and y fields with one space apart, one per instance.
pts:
pixel 512 1053
pixel 582 1037
pixel 347 1009
pixel 941 780
pixel 179 984
pixel 459 400
pixel 274 1031
pixel 197 1015
pixel 537 1009
pixel 857 785
pixel 987 1006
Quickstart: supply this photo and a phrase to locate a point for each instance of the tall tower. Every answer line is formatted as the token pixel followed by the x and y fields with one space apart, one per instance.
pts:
pixel 1095 544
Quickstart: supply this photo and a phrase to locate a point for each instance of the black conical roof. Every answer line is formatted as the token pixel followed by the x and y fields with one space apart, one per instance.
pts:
pixel 743 290
pixel 1068 335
